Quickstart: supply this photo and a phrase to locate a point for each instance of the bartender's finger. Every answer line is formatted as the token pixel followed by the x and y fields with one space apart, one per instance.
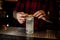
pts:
pixel 21 14
pixel 21 21
pixel 35 13
pixel 24 15
pixel 40 16
pixel 22 18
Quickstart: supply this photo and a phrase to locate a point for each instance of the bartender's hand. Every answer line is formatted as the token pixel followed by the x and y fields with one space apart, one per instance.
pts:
pixel 21 16
pixel 40 14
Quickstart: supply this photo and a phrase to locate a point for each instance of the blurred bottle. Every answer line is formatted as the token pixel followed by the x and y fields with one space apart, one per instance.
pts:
pixel 4 27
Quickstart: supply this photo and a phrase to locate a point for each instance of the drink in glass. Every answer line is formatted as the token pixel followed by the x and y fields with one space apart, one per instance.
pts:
pixel 29 24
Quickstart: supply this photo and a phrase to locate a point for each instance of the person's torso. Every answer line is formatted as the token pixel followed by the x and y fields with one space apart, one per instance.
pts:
pixel 30 6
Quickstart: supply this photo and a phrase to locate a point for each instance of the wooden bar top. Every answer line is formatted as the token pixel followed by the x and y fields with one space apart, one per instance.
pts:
pixel 17 31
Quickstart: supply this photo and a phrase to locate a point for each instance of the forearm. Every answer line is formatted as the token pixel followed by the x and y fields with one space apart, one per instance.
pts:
pixel 14 14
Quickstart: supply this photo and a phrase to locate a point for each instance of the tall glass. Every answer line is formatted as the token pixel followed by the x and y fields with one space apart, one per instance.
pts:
pixel 29 24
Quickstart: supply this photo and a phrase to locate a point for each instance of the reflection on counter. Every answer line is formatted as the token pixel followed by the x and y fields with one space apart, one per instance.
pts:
pixel 20 32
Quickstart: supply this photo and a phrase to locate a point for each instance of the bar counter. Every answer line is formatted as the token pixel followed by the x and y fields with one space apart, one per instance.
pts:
pixel 15 33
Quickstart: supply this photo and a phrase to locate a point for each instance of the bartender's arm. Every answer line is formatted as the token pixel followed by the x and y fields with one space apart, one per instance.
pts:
pixel 21 16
